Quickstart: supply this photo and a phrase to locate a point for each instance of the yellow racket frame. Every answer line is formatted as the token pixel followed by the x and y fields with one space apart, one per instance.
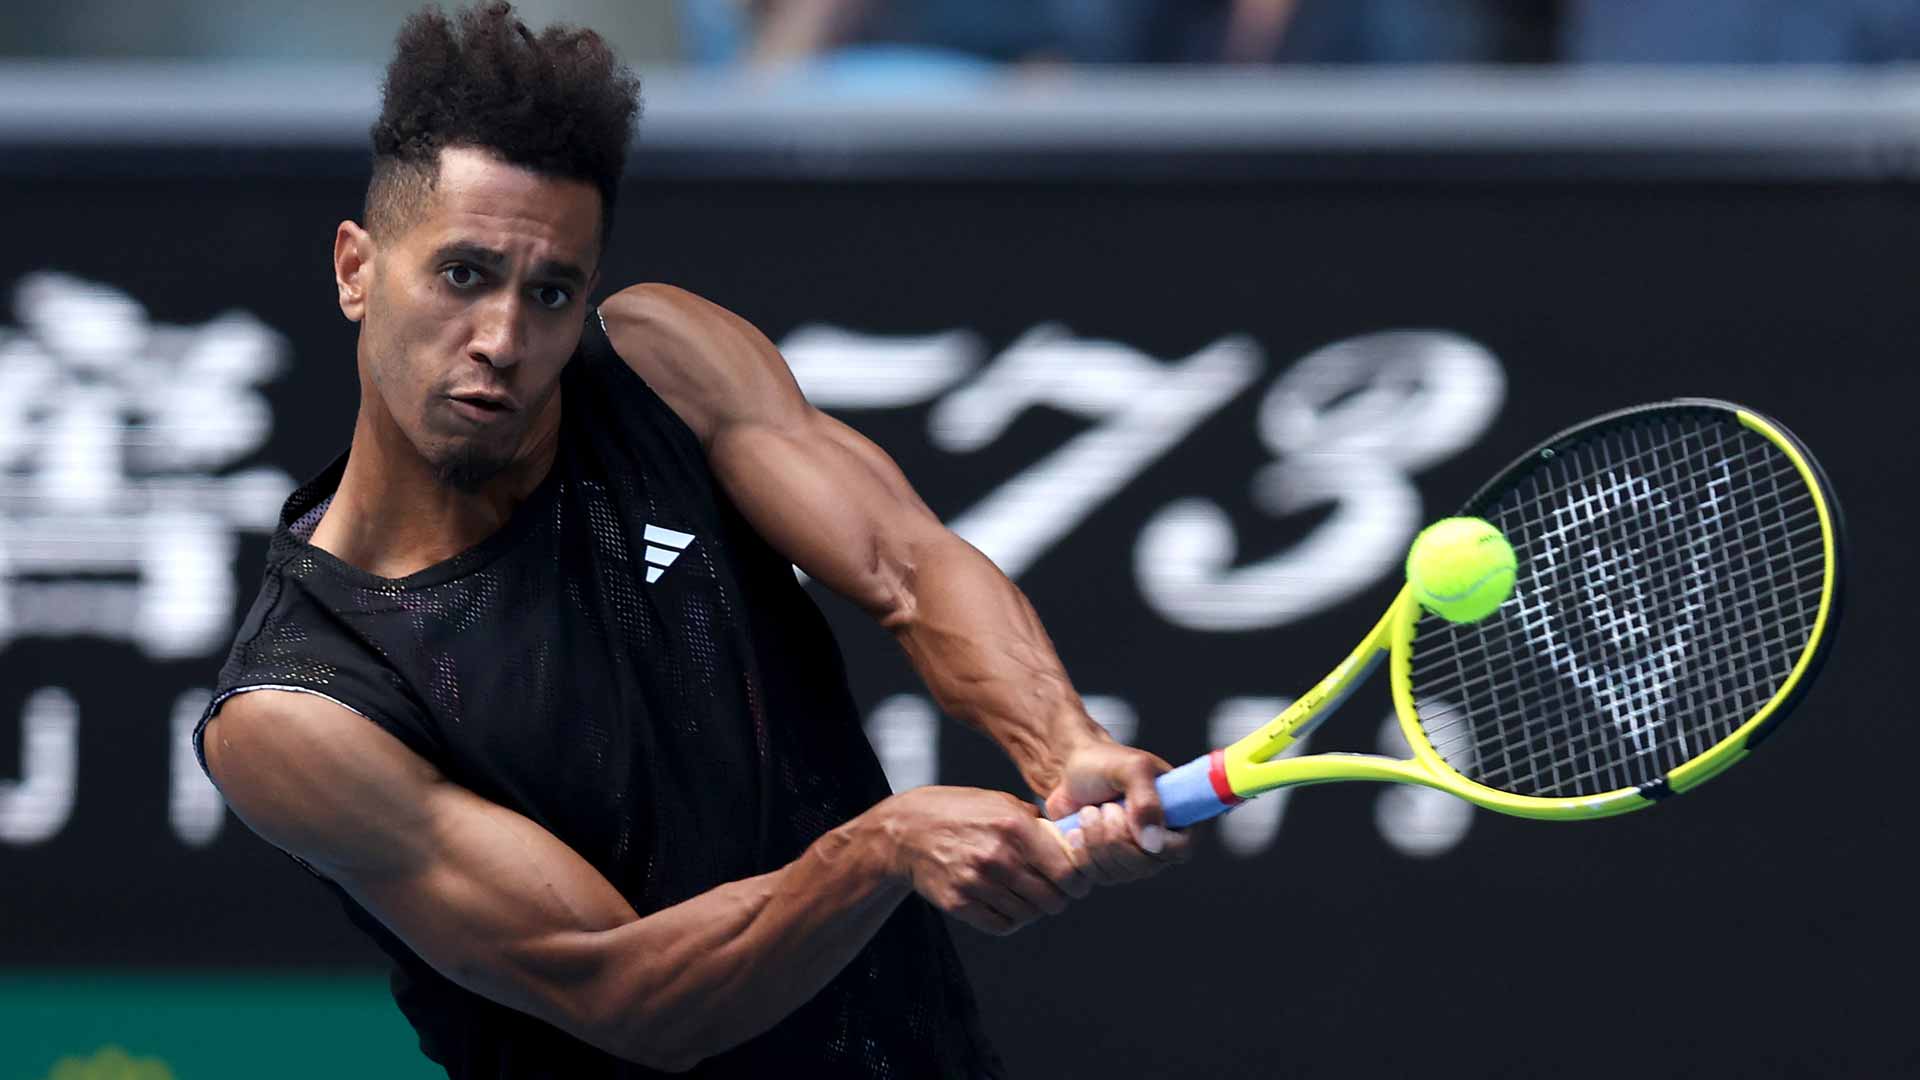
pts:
pixel 1253 764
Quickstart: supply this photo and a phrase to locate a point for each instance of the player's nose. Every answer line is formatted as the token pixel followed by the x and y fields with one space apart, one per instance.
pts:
pixel 499 332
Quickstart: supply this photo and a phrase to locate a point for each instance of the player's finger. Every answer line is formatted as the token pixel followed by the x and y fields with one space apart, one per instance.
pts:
pixel 1144 813
pixel 1075 840
pixel 1040 867
pixel 982 883
pixel 1033 888
pixel 1128 861
pixel 1099 849
pixel 1060 804
pixel 1061 857
pixel 1179 847
pixel 1110 846
pixel 1018 910
pixel 983 917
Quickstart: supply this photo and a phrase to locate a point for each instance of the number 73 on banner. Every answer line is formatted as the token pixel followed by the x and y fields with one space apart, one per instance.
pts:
pixel 1349 425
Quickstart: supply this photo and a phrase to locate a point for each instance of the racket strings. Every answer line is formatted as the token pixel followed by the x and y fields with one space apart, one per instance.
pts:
pixel 1574 745
pixel 1691 605
pixel 1461 737
pixel 1670 573
pixel 1697 600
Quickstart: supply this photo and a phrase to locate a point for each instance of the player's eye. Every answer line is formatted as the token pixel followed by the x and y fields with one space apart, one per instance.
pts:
pixel 553 297
pixel 461 276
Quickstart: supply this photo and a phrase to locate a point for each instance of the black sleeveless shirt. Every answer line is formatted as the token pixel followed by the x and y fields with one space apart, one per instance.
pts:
pixel 628 664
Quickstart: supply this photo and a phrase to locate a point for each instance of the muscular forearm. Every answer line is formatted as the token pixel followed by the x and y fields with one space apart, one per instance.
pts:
pixel 980 648
pixel 704 975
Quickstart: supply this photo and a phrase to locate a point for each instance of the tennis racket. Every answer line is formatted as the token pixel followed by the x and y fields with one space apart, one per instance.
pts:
pixel 1677 590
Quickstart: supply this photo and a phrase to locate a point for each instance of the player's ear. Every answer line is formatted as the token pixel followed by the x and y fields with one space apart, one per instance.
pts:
pixel 352 268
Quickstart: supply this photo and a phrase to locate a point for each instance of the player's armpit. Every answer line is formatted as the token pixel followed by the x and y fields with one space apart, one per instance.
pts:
pixel 502 907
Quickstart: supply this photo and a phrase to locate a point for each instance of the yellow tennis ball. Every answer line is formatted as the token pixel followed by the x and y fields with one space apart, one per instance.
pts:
pixel 1461 569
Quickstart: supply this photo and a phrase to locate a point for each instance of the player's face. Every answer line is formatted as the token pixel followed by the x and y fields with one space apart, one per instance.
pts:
pixel 474 310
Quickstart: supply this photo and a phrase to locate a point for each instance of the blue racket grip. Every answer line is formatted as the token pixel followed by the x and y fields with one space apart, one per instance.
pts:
pixel 1188 794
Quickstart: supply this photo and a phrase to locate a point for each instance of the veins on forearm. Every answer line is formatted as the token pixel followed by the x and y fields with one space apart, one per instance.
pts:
pixel 979 646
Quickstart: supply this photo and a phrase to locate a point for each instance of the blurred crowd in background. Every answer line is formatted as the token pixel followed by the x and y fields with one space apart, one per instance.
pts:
pixel 922 39
pixel 1301 31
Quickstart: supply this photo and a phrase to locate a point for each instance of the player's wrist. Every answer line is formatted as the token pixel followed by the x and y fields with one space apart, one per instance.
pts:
pixel 1073 731
pixel 1074 728
pixel 875 844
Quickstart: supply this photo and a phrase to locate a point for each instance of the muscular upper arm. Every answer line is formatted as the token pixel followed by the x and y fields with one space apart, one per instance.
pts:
pixel 820 492
pixel 490 899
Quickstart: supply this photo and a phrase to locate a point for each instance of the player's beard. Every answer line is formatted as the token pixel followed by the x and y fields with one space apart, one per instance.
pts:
pixel 469 465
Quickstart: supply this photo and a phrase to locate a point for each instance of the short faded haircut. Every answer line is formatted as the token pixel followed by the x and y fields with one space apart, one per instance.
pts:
pixel 558 103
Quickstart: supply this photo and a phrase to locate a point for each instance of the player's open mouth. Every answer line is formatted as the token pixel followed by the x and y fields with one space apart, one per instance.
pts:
pixel 480 407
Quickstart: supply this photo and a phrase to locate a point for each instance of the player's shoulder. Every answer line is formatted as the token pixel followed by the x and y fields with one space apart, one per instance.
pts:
pixel 303 771
pixel 260 737
pixel 656 299
pixel 653 314
pixel 710 365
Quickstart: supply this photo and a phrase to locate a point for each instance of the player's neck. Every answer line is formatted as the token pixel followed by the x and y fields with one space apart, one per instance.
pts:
pixel 393 515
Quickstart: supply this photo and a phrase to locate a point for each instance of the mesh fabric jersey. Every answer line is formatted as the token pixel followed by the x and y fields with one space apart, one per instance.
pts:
pixel 629 665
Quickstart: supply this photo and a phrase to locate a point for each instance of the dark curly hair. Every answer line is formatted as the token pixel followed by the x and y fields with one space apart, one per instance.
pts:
pixel 559 103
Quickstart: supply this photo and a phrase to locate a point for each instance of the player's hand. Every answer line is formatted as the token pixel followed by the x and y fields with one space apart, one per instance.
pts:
pixel 1115 843
pixel 983 857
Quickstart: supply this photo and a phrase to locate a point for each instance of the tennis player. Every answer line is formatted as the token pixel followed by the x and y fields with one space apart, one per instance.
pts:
pixel 530 681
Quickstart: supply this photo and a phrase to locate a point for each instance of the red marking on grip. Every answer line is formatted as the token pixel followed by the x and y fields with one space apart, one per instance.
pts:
pixel 1217 776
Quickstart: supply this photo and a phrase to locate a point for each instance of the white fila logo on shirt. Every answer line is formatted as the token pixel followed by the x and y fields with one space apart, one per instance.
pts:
pixel 664 546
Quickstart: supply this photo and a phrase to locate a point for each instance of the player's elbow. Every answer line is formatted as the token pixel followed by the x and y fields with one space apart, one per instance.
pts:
pixel 918 561
pixel 625 1024
pixel 662 1051
pixel 648 999
pixel 660 1060
pixel 891 602
pixel 642 1044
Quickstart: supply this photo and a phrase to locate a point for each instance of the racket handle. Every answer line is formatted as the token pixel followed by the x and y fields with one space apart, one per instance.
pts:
pixel 1188 794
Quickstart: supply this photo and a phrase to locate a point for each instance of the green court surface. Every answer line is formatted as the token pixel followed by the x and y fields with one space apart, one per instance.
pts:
pixel 203 1026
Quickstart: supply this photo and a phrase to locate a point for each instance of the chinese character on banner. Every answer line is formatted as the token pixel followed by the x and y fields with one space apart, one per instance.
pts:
pixel 121 510
pixel 118 517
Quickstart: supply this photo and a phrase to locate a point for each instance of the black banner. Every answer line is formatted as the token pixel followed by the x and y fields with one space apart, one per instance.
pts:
pixel 1197 420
